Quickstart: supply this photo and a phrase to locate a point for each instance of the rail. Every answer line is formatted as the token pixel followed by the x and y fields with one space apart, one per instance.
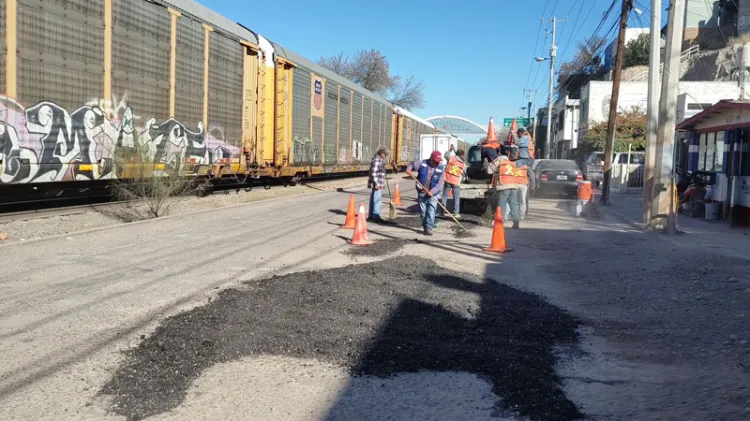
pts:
pixel 685 55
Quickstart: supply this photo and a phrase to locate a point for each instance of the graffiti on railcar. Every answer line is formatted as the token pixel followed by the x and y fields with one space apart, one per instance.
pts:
pixel 356 150
pixel 344 157
pixel 44 143
pixel 304 152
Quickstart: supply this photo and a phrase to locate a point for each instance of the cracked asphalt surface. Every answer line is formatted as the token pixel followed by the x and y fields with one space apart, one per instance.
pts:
pixel 663 330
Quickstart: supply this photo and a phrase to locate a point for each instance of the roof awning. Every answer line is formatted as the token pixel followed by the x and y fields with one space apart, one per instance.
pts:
pixel 712 111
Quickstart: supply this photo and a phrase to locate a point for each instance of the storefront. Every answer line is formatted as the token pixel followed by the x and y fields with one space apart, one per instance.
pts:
pixel 718 140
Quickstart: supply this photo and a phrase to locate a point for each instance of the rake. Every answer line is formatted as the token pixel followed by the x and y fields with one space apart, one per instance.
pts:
pixel 439 203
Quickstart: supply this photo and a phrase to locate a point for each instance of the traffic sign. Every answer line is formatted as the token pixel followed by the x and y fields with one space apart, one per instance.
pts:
pixel 520 122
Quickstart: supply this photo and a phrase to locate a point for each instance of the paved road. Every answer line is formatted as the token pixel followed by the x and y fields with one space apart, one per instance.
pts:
pixel 665 337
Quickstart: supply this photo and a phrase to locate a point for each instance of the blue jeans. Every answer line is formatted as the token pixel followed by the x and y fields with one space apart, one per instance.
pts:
pixel 427 207
pixel 509 197
pixel 375 196
pixel 456 197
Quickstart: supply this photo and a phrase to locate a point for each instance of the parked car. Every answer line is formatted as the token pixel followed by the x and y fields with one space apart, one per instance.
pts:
pixel 557 176
pixel 594 167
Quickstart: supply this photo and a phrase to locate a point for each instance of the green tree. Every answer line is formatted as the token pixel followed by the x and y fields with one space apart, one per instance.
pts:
pixel 585 66
pixel 637 51
pixel 630 129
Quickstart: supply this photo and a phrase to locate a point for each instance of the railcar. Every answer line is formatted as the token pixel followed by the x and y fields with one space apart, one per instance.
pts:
pixel 90 90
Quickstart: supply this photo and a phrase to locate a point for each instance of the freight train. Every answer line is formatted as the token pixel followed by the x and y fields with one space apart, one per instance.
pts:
pixel 90 90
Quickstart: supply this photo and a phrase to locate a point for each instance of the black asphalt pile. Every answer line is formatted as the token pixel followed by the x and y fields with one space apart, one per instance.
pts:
pixel 468 221
pixel 403 314
pixel 379 248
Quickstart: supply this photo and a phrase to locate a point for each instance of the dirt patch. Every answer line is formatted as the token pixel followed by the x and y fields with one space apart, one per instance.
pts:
pixel 399 315
pixel 379 248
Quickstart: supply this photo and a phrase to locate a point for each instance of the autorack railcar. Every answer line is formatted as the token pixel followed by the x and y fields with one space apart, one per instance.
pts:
pixel 90 90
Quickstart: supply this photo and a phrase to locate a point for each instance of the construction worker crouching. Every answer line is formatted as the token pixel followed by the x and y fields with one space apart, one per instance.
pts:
pixel 431 175
pixel 454 172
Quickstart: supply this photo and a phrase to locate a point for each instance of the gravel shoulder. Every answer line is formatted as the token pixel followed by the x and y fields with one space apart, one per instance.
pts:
pixel 80 219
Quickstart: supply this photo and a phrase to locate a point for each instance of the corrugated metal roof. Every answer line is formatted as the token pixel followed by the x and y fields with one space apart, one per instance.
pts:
pixel 316 68
pixel 212 18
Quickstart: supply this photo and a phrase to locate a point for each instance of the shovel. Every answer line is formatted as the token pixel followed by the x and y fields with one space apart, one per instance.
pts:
pixel 439 203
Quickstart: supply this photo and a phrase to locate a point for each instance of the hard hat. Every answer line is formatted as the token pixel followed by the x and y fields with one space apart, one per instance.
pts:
pixel 436 156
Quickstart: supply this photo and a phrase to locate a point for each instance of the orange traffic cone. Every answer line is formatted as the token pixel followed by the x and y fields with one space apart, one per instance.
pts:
pixel 360 230
pixel 397 197
pixel 498 235
pixel 351 217
pixel 491 134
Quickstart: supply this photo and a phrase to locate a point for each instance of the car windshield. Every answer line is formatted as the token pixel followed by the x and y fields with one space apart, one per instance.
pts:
pixel 597 159
pixel 558 164
pixel 475 155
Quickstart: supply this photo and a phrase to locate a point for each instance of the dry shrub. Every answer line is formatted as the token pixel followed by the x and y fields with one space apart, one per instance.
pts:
pixel 147 190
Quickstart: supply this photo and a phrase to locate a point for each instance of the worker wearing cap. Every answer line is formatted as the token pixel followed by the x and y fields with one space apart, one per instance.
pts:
pixel 431 176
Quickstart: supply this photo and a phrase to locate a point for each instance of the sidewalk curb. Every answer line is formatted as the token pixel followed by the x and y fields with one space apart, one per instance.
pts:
pixel 621 217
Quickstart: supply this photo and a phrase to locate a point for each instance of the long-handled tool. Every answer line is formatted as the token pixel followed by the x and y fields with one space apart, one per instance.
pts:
pixel 391 206
pixel 439 203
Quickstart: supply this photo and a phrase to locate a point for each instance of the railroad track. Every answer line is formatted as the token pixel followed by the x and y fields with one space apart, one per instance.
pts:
pixel 56 207
pixel 27 215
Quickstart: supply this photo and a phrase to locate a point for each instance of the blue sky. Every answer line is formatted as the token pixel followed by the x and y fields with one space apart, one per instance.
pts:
pixel 475 57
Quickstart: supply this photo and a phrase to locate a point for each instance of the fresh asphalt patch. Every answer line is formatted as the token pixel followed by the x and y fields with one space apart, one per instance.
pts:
pixel 403 314
pixel 378 248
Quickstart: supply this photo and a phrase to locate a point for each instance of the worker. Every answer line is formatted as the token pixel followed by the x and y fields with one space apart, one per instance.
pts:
pixel 490 150
pixel 375 183
pixel 454 172
pixel 508 179
pixel 431 175
pixel 525 147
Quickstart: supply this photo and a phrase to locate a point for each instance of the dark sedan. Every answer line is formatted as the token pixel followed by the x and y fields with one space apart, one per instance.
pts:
pixel 557 176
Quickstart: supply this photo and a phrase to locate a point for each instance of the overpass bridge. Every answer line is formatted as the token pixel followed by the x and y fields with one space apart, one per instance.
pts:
pixel 464 128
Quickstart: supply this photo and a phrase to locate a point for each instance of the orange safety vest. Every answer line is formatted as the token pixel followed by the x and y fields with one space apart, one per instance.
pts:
pixel 531 147
pixel 509 174
pixel 453 171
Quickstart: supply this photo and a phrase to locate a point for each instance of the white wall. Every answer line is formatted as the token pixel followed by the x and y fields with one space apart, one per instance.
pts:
pixel 595 96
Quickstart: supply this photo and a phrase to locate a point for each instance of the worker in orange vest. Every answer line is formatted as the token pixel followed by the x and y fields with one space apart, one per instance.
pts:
pixel 454 172
pixel 509 177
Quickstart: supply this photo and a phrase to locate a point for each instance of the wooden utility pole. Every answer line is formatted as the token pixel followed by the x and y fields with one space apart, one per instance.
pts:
pixel 664 179
pixel 626 6
pixel 652 124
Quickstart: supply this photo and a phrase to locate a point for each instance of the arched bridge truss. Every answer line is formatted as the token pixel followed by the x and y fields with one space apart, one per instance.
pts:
pixel 457 125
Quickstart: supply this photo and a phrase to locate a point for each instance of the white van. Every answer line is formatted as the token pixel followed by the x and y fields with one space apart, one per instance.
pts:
pixel 593 169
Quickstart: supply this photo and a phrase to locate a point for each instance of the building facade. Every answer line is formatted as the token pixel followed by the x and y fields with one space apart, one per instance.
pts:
pixel 718 145
pixel 565 127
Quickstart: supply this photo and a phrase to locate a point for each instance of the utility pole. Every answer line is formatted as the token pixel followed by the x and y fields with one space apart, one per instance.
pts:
pixel 652 124
pixel 552 55
pixel 664 183
pixel 626 6
pixel 532 112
